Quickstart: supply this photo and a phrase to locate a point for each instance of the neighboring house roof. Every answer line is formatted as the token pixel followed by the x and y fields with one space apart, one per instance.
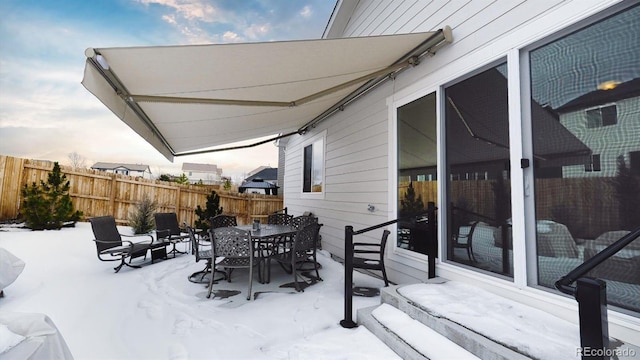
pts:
pixel 623 91
pixel 257 170
pixel 211 168
pixel 268 174
pixel 113 166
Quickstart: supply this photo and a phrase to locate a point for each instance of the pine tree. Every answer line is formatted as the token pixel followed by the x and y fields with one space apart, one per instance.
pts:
pixel 48 205
pixel 411 205
pixel 183 179
pixel 142 220
pixel 212 209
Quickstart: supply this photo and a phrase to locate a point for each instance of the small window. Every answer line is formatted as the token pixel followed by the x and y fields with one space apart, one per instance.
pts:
pixel 313 166
pixel 602 116
pixel 594 165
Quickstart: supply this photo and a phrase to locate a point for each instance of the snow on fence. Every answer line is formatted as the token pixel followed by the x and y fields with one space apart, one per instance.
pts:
pixel 98 193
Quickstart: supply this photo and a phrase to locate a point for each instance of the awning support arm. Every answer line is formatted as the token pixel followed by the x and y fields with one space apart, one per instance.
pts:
pixel 197 152
pixel 122 91
pixel 428 48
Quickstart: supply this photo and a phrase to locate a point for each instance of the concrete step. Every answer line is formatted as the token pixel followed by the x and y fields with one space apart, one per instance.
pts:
pixel 483 324
pixel 473 342
pixel 407 337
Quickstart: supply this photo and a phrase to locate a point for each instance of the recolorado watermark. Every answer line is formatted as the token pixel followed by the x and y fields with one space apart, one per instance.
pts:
pixel 596 352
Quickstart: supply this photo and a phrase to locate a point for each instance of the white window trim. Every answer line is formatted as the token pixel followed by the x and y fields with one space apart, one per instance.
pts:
pixel 404 256
pixel 314 195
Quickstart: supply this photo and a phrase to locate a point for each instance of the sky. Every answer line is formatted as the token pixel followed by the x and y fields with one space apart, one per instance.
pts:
pixel 46 114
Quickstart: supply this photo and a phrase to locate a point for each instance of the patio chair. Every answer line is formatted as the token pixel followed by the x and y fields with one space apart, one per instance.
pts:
pixel 232 249
pixel 201 252
pixel 464 241
pixel 168 230
pixel 279 219
pixel 301 221
pixel 367 263
pixel 302 250
pixel 111 247
pixel 223 221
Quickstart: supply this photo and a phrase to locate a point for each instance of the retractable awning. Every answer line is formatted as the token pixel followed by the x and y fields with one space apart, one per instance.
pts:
pixel 189 99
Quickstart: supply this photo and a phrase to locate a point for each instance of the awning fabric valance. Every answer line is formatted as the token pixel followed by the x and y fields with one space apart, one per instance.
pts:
pixel 187 99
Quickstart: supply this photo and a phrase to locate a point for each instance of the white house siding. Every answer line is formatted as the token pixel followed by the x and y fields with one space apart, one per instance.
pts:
pixel 359 139
pixel 356 170
pixel 615 139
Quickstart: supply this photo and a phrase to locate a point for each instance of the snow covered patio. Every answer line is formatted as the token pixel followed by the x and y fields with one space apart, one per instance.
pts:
pixel 156 313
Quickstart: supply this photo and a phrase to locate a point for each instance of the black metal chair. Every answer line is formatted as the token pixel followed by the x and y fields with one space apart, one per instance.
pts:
pixel 168 230
pixel 235 250
pixel 221 220
pixel 201 252
pixel 279 219
pixel 111 247
pixel 302 250
pixel 464 241
pixel 370 263
pixel 301 221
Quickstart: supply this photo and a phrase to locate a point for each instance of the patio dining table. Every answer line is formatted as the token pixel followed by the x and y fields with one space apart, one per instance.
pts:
pixel 265 240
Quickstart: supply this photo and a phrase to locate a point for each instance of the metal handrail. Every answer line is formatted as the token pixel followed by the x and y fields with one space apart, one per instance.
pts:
pixel 348 322
pixel 563 284
pixel 591 295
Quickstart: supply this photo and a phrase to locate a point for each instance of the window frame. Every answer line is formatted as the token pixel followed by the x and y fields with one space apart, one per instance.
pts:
pixel 320 138
pixel 529 205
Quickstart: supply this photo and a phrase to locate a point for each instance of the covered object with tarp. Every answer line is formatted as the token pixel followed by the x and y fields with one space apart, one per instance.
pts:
pixel 257 183
pixel 189 99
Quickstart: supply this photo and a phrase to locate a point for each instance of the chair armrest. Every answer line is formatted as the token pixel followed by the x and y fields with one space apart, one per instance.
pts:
pixel 365 244
pixel 163 234
pixel 118 249
pixel 140 235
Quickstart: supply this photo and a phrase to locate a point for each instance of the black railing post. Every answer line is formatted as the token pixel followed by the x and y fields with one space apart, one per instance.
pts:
pixel 432 246
pixel 348 322
pixel 591 295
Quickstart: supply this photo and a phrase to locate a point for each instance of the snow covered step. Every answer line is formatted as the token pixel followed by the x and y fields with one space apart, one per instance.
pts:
pixel 409 338
pixel 482 346
pixel 486 325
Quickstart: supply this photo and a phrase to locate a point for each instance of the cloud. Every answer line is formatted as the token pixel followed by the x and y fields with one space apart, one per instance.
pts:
pixel 257 31
pixel 188 9
pixel 45 112
pixel 230 36
pixel 306 12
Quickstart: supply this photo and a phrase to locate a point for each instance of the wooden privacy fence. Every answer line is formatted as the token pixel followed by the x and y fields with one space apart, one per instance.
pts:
pixel 98 193
pixel 588 206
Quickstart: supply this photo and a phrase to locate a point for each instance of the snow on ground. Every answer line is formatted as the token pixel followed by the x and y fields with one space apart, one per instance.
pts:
pixel 156 313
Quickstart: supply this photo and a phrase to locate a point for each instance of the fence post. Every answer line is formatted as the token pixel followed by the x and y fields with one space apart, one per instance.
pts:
pixel 591 295
pixel 112 197
pixel 348 322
